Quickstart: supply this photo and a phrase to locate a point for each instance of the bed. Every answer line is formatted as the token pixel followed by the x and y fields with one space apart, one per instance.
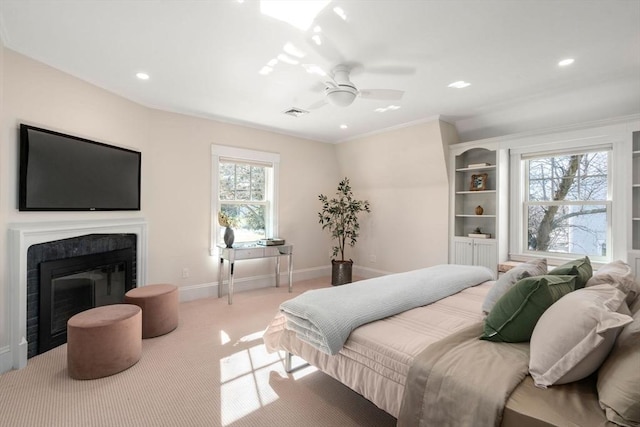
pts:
pixel 380 360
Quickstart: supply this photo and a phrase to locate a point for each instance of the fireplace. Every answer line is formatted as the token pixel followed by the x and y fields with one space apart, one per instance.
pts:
pixel 71 285
pixel 27 239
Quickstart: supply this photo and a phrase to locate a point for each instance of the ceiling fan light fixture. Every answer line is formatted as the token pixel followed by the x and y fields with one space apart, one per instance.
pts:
pixel 341 96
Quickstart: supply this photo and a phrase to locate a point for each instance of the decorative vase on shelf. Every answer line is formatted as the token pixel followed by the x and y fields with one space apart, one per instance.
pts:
pixel 479 210
pixel 229 237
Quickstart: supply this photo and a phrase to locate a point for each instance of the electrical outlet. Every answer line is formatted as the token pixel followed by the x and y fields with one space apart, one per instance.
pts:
pixel 185 273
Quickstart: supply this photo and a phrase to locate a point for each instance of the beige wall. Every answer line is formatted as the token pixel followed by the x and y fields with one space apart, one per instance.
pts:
pixel 176 182
pixel 403 174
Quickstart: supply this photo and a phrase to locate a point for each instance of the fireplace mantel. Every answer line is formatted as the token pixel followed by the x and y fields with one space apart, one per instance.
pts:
pixel 24 235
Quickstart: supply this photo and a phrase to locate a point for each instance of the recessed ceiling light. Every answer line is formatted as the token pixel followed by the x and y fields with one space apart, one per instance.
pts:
pixel 317 29
pixel 317 40
pixel 142 76
pixel 459 84
pixel 566 62
pixel 343 126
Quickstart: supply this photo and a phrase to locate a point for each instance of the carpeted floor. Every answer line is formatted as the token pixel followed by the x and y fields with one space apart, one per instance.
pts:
pixel 212 370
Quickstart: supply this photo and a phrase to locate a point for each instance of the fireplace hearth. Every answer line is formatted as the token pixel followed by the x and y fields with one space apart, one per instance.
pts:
pixel 67 276
pixel 22 237
pixel 71 285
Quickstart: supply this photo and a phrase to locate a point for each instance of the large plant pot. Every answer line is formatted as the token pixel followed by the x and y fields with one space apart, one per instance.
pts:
pixel 341 272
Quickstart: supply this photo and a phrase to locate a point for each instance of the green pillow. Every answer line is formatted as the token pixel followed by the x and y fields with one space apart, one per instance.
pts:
pixel 581 268
pixel 516 313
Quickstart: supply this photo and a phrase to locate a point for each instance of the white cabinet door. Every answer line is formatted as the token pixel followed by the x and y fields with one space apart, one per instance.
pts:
pixel 485 253
pixel 468 251
pixel 463 251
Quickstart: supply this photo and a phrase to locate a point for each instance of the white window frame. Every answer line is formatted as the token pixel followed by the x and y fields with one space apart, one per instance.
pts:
pixel 518 250
pixel 526 203
pixel 219 152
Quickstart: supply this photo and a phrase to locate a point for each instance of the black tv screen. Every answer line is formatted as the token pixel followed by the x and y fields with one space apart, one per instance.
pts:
pixel 61 172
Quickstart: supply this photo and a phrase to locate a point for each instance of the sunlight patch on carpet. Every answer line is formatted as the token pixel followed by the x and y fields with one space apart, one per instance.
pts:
pixel 244 380
pixel 224 338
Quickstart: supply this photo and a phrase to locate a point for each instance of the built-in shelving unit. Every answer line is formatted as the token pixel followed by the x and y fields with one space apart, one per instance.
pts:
pixel 634 243
pixel 467 200
pixel 468 162
pixel 635 195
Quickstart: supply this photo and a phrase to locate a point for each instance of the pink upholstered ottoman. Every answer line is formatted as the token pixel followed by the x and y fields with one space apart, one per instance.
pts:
pixel 159 304
pixel 103 341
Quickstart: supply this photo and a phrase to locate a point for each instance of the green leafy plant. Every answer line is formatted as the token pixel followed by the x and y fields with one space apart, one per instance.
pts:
pixel 339 216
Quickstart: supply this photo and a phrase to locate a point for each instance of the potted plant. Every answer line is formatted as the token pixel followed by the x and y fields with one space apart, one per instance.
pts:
pixel 339 216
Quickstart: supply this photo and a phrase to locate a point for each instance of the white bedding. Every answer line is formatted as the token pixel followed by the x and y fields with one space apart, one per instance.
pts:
pixel 376 357
pixel 326 317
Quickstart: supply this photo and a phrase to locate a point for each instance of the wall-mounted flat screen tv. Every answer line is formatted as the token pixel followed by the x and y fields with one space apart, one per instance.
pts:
pixel 61 172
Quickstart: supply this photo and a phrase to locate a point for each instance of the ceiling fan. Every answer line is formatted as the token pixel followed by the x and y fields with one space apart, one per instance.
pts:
pixel 341 92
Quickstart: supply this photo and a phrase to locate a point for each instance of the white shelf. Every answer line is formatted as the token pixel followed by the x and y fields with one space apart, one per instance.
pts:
pixel 479 168
pixel 474 216
pixel 476 192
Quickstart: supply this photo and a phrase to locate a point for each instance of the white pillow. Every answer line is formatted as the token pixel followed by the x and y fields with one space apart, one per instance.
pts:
pixel 574 336
pixel 619 274
pixel 536 267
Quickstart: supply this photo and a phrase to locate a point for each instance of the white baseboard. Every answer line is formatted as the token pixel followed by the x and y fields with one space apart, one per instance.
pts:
pixel 207 290
pixel 368 273
pixel 6 361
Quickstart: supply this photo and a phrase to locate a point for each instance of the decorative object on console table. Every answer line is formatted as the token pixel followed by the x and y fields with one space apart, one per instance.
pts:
pixel 274 241
pixel 340 216
pixel 479 182
pixel 225 221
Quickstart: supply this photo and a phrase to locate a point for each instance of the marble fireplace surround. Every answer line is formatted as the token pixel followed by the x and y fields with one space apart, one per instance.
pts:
pixel 24 235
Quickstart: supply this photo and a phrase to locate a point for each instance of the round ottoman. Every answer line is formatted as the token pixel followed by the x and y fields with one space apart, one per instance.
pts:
pixel 103 341
pixel 159 304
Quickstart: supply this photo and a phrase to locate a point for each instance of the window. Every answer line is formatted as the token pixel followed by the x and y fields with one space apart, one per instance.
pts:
pixel 244 184
pixel 567 203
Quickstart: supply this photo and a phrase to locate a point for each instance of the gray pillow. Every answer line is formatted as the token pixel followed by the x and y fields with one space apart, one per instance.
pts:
pixel 619 376
pixel 618 274
pixel 573 337
pixel 536 267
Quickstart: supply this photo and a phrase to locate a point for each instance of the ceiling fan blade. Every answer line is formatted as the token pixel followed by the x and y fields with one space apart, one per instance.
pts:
pixel 383 94
pixel 398 70
pixel 317 105
pixel 326 78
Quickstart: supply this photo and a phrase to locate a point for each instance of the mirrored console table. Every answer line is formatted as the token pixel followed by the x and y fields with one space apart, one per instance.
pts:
pixel 252 252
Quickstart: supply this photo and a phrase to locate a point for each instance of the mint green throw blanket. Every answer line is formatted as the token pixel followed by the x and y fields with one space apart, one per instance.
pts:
pixel 325 317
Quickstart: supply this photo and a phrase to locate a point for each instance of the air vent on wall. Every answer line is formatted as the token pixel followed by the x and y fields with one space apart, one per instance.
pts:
pixel 296 112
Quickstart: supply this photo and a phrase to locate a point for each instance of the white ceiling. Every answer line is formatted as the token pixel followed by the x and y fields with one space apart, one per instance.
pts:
pixel 204 56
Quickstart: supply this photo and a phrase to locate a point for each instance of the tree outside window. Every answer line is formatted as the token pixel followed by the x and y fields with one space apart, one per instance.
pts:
pixel 567 204
pixel 243 198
